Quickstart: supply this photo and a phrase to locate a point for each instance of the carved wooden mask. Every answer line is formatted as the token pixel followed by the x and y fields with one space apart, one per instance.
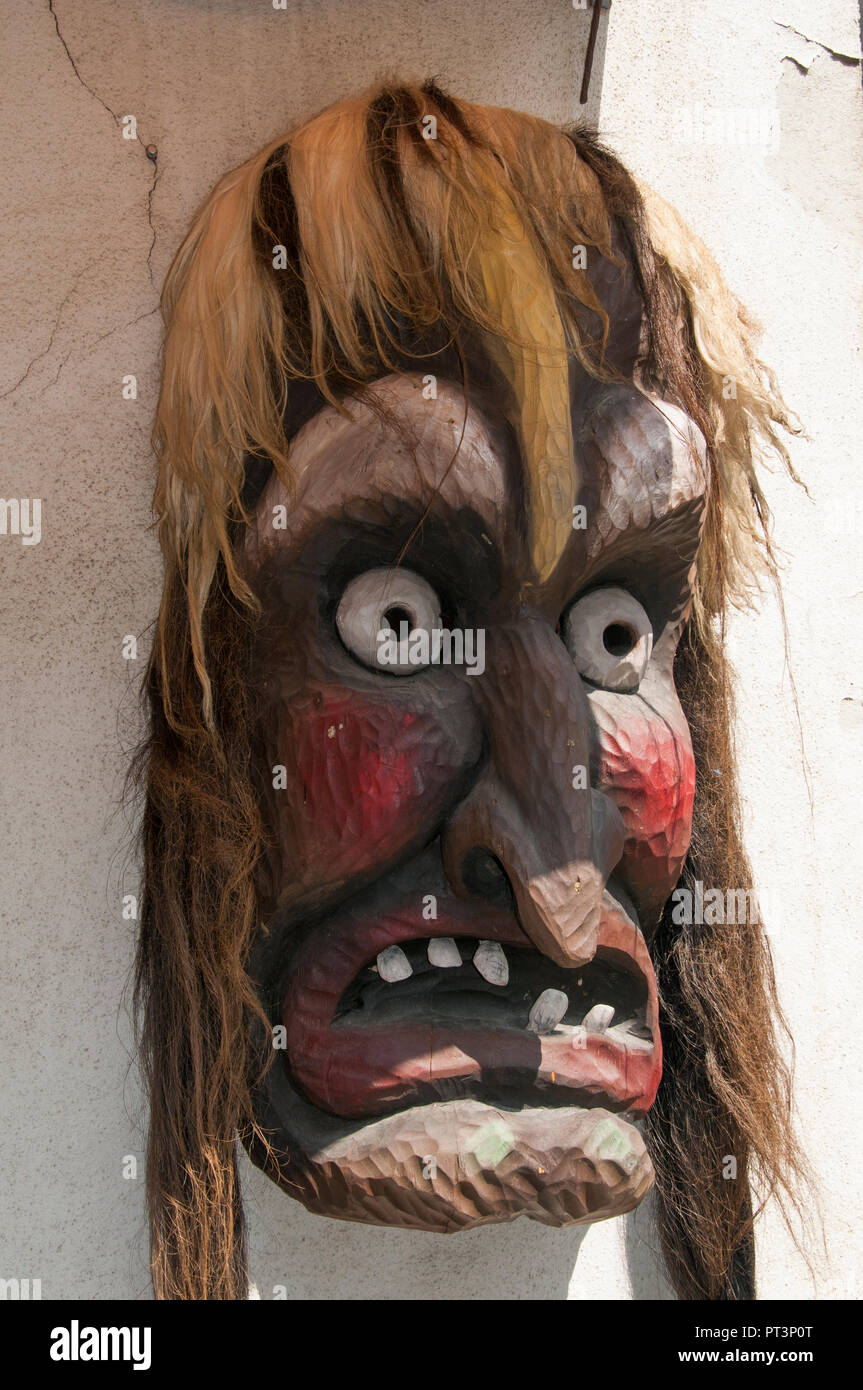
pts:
pixel 436 461
pixel 471 854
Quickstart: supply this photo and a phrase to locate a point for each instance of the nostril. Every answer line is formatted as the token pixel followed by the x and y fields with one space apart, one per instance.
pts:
pixel 484 875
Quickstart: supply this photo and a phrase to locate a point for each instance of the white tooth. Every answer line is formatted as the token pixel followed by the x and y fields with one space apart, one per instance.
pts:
pixel 547 1011
pixel 491 963
pixel 598 1019
pixel 443 952
pixel 394 965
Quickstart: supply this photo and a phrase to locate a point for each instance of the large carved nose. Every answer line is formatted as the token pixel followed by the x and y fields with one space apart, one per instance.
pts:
pixel 533 810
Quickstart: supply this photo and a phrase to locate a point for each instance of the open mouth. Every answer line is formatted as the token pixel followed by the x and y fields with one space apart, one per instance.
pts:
pixel 391 1012
pixel 447 982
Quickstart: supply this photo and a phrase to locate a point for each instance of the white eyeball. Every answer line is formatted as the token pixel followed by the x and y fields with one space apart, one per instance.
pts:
pixel 372 610
pixel 610 638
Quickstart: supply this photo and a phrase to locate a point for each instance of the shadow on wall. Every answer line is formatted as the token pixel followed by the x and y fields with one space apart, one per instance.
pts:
pixel 643 1258
pixel 296 1256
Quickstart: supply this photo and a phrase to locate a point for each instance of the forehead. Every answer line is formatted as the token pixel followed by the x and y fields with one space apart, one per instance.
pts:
pixel 637 460
pixel 400 442
pixel 643 459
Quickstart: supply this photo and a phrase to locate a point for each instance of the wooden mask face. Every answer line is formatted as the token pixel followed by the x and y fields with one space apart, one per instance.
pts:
pixel 457 429
pixel 478 785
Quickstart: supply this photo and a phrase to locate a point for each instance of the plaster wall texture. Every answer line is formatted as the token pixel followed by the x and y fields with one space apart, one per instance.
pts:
pixel 90 225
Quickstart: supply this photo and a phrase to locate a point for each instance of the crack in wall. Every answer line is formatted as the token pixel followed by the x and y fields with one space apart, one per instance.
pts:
pixel 62 365
pixel 91 347
pixel 54 331
pixel 148 314
pixel 87 88
pixel 86 348
pixel 150 193
pixel 117 119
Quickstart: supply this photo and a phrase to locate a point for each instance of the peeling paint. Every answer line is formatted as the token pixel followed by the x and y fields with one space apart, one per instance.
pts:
pixel 851 713
pixel 851 60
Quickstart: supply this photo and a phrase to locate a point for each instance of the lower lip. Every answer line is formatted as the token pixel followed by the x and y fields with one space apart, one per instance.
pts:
pixel 366 1070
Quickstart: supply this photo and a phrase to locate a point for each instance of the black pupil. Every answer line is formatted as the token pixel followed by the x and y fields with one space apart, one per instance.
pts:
pixel 394 616
pixel 618 639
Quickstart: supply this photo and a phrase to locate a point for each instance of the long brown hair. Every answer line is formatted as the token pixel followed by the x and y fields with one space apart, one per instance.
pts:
pixel 414 230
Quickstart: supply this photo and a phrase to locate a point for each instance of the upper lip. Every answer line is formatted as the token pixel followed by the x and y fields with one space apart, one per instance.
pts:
pixel 374 1068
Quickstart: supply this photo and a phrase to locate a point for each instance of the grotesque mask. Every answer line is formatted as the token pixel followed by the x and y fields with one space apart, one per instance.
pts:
pixel 452 494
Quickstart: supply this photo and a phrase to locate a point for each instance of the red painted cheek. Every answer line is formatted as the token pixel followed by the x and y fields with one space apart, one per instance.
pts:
pixel 649 772
pixel 364 780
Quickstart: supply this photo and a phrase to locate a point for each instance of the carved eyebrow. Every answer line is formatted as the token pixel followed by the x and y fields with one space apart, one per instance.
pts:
pixel 677 521
pixel 362 471
pixel 655 559
pixel 452 551
pixel 375 504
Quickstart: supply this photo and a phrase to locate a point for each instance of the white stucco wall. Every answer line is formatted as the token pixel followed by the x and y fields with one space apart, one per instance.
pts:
pixel 89 230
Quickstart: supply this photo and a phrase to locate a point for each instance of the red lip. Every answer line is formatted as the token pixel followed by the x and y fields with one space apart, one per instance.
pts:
pixel 363 1070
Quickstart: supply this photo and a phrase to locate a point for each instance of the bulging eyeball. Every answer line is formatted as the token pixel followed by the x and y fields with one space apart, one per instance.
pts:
pixel 372 610
pixel 610 638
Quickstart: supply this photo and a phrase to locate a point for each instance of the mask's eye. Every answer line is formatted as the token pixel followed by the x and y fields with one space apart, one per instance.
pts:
pixel 372 610
pixel 610 638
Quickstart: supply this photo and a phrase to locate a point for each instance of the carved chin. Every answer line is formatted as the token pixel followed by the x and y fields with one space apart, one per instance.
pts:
pixel 456 1164
pixel 461 1163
